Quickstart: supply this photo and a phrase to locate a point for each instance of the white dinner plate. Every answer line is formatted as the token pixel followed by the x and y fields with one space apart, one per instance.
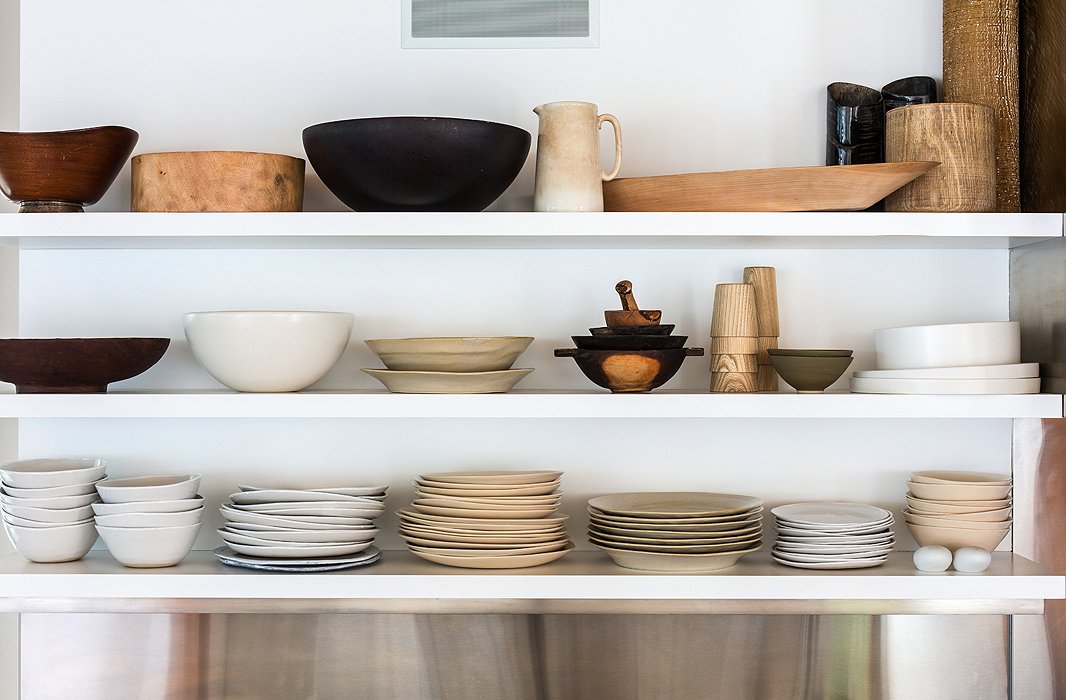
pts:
pixel 368 555
pixel 310 522
pixel 673 504
pixel 312 510
pixel 262 496
pixel 828 558
pixel 342 490
pixel 849 564
pixel 332 550
pixel 856 540
pixel 831 513
pixel 945 386
pixel 295 539
pixel 1022 370
pixel 830 551
pixel 883 528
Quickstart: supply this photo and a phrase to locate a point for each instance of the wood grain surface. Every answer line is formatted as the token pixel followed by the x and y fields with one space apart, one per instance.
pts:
pixel 960 136
pixel 734 311
pixel 765 343
pixel 1043 105
pixel 981 66
pixel 734 362
pixel 734 382
pixel 764 281
pixel 767 379
pixel 743 344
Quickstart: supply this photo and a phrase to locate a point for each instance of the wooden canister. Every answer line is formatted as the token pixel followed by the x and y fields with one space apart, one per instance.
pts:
pixel 734 311
pixel 961 137
pixel 217 181
pixel 734 382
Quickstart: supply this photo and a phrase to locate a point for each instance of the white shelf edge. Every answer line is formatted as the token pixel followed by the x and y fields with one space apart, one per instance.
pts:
pixel 523 404
pixel 526 230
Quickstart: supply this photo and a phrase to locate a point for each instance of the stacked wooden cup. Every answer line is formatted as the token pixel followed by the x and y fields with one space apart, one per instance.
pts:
pixel 764 282
pixel 744 325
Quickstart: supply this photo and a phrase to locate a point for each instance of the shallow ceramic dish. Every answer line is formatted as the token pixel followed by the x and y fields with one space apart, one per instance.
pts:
pixel 450 354
pixel 674 504
pixel 507 501
pixel 51 492
pixel 296 522
pixel 180 505
pixel 230 558
pixel 188 517
pixel 629 371
pixel 954 537
pixel 838 540
pixel 48 545
pixel 47 473
pixel 832 513
pixel 149 547
pixel 171 487
pixel 674 562
pixel 343 490
pixel 268 351
pixel 676 548
pixel 809 374
pixel 62 171
pixel 416 163
pixel 833 565
pixel 950 477
pixel 486 545
pixel 454 538
pixel 514 524
pixel 506 562
pixel 827 557
pixel 959 492
pixel 50 515
pixel 489 550
pixel 948 345
pixel 958 507
pixel 449 382
pixel 945 386
pixel 291 495
pixel 1019 371
pixel 522 513
pixel 288 510
pixel 75 365
pixel 57 502
pixel 664 535
pixel 717 523
pixel 459 490
pixel 806 352
pixel 651 538
pixel 954 521
pixel 987 516
pixel 487 479
pixel 229 537
pixel 881 528
pixel 279 552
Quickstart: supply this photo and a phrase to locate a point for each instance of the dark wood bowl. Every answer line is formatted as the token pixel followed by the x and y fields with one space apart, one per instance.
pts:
pixel 629 342
pixel 664 329
pixel 62 170
pixel 416 163
pixel 629 371
pixel 75 365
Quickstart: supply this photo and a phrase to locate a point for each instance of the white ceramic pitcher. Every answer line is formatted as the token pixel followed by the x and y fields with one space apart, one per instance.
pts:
pixel 569 177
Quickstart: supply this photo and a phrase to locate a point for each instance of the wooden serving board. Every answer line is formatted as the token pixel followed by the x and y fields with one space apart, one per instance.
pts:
pixel 816 188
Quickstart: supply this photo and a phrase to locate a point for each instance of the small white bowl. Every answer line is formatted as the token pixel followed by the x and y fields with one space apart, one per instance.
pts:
pixel 959 492
pixel 56 502
pixel 48 545
pixel 268 351
pixel 52 491
pixel 188 517
pixel 149 547
pixel 44 473
pixel 149 488
pixel 179 505
pixel 948 345
pixel 63 516
pixel 23 522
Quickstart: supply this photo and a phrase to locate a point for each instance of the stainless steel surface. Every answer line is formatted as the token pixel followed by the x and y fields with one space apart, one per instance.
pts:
pixel 512 656
pixel 1037 294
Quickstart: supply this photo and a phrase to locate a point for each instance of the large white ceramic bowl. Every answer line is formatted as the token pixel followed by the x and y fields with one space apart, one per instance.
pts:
pixel 179 505
pixel 189 517
pixel 450 354
pixel 149 488
pixel 948 345
pixel 45 473
pixel 268 351
pixel 48 545
pixel 149 547
pixel 50 515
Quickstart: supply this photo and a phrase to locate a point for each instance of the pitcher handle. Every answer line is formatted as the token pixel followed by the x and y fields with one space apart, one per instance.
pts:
pixel 617 145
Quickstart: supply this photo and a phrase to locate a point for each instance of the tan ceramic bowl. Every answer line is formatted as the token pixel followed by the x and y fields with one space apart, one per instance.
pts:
pixel 959 492
pixel 953 521
pixel 450 354
pixel 995 515
pixel 956 506
pixel 949 477
pixel 955 537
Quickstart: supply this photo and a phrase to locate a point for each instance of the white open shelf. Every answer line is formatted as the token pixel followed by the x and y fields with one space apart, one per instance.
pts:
pixel 580 582
pixel 525 230
pixel 523 404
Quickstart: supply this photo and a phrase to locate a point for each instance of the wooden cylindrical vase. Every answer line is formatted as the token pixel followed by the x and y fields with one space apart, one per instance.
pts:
pixel 962 138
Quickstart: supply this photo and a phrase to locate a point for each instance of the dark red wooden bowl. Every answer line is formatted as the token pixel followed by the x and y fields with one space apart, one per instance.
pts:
pixel 75 365
pixel 629 371
pixel 416 163
pixel 62 170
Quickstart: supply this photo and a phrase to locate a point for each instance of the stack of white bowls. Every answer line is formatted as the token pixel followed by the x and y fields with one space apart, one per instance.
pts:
pixel 957 358
pixel 149 522
pixel 46 507
pixel 449 365
pixel 301 530
pixel 486 520
pixel 959 509
pixel 683 531
pixel 832 535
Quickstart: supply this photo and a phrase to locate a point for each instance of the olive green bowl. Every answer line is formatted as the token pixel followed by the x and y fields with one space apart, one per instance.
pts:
pixel 809 374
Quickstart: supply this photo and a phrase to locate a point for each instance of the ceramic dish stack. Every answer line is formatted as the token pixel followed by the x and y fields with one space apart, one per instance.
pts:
pixel 449 365
pixel 832 535
pixel 301 530
pixel 959 509
pixel 486 520
pixel 149 522
pixel 958 358
pixel 46 507
pixel 675 531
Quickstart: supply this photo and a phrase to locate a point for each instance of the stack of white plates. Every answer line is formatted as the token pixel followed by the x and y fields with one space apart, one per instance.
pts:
pixel 301 529
pixel 832 535
pixel 959 509
pixel 486 520
pixel 663 531
pixel 956 358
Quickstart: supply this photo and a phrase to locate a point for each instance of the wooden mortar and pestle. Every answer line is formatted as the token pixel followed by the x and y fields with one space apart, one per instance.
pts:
pixel 631 315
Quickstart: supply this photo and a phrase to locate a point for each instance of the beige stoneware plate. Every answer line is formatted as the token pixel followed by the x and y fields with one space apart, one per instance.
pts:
pixel 485 492
pixel 487 479
pixel 524 524
pixel 678 504
pixel 472 501
pixel 492 513
pixel 507 551
pixel 450 354
pixel 449 382
pixel 675 524
pixel 612 529
pixel 481 538
pixel 508 562
pixel 643 537
pixel 679 549
pixel 676 563
pixel 959 492
pixel 949 477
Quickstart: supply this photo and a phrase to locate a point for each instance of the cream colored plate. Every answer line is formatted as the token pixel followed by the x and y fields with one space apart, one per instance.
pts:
pixel 448 354
pixel 717 531
pixel 510 562
pixel 950 477
pixel 480 501
pixel 679 504
pixel 644 537
pixel 495 513
pixel 449 382
pixel 677 563
pixel 487 479
pixel 680 549
pixel 626 520
pixel 443 489
pixel 505 551
pixel 524 524
pixel 481 538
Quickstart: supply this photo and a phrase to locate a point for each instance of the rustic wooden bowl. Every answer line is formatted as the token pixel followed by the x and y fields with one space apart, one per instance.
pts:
pixel 629 371
pixel 217 181
pixel 62 170
pixel 663 329
pixel 629 342
pixel 75 365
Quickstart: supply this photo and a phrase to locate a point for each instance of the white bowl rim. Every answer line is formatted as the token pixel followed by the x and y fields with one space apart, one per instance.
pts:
pixel 127 482
pixel 267 312
pixel 452 337
pixel 147 529
pixel 950 325
pixel 58 526
pixel 90 463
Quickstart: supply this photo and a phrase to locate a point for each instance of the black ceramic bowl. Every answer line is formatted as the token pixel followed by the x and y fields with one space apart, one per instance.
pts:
pixel 663 329
pixel 629 342
pixel 416 163
pixel 75 365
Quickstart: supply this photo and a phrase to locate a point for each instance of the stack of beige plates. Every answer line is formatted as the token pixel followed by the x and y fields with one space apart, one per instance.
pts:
pixel 486 520
pixel 456 365
pixel 958 509
pixel 675 531
pixel 301 529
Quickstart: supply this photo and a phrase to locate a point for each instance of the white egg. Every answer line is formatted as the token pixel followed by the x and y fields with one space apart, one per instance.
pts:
pixel 932 558
pixel 971 560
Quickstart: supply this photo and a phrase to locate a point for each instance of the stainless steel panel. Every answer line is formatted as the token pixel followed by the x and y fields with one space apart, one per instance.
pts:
pixel 92 656
pixel 1037 294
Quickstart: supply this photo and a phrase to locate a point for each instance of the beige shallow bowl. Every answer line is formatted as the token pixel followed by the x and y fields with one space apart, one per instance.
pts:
pixel 949 477
pixel 959 492
pixel 955 537
pixel 505 562
pixel 957 506
pixel 45 473
pixel 995 515
pixel 490 512
pixel 450 354
pixel 488 550
pixel 445 538
pixel 487 479
pixel 954 521
pixel 673 504
pixel 449 382
pixel 479 491
pixel 674 562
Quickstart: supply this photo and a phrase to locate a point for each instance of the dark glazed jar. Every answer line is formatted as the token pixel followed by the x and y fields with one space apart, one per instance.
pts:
pixel 916 90
pixel 855 125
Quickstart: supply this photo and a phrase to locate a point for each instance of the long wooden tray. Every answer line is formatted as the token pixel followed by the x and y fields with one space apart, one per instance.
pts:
pixel 817 188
